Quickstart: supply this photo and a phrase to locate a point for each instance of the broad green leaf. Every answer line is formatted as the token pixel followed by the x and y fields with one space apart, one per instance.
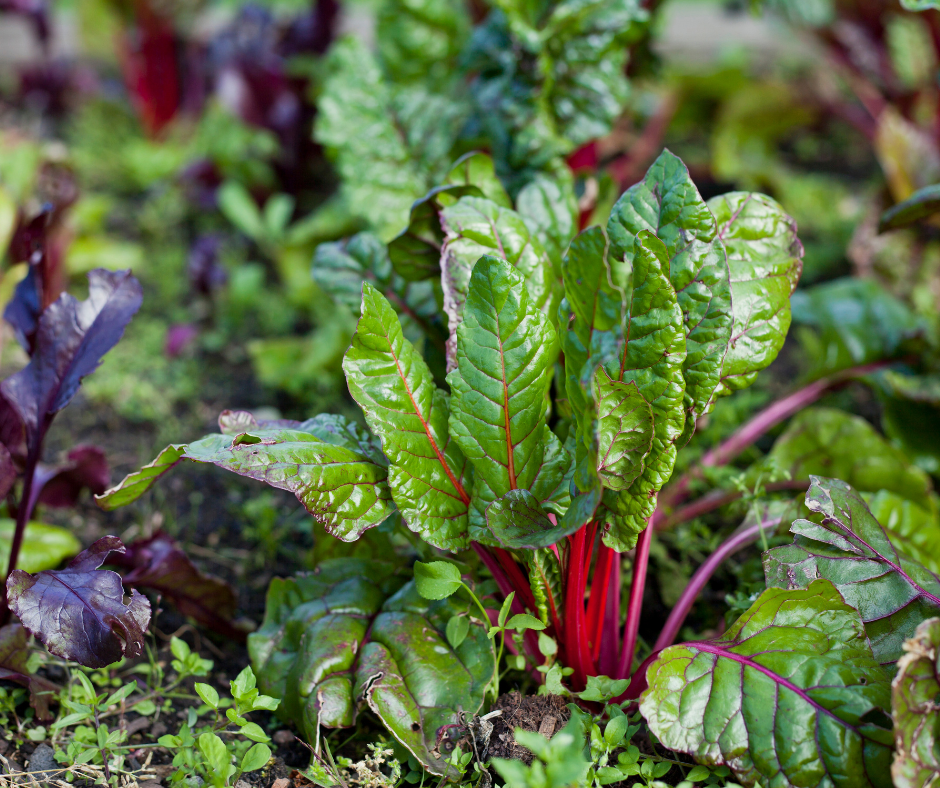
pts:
pixel 215 752
pixel 137 483
pixel 344 490
pixel 891 591
pixel 523 621
pixel 428 474
pixel 517 520
pixel 415 253
pixel 914 708
pixel 419 40
pixel 437 579
pixel 474 227
pixel 44 546
pixel 549 207
pixel 340 268
pixel 765 258
pixel 915 530
pixel 789 697
pixel 506 350
pixel 597 310
pixel 476 169
pixel 922 203
pixel 650 353
pixel 546 582
pixel 349 631
pixel 668 204
pixel 624 431
pixel 830 442
pixel 853 321
pixel 457 629
pixel 256 757
pixel 390 144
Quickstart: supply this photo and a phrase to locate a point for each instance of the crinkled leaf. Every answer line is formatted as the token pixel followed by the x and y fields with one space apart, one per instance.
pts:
pixel 789 696
pixel 922 203
pixel 160 564
pixel 915 711
pixel 70 341
pixel 336 636
pixel 549 207
pixel 624 431
pixel 668 204
pixel 14 659
pixel 476 169
pixel 44 546
pixel 766 259
pixel 395 389
pixel 135 484
pixel 342 488
pixel 79 612
pixel 85 467
pixel 547 583
pixel 389 143
pixel 517 520
pixel 891 591
pixel 420 41
pixel 830 442
pixel 506 350
pixel 415 252
pixel 650 352
pixel 854 321
pixel 474 227
pixel 340 268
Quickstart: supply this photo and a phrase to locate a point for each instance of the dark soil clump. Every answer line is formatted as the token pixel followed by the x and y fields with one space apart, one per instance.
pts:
pixel 545 714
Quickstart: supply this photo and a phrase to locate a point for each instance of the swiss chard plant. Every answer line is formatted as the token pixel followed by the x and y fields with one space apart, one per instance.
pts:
pixel 540 423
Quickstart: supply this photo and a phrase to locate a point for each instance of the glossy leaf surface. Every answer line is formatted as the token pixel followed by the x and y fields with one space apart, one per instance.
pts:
pixel 343 633
pixel 506 350
pixel 789 696
pixel 475 227
pixel 916 715
pixel 765 258
pixel 395 389
pixel 892 592
pixel 477 169
pixel 135 484
pixel 79 612
pixel 650 353
pixel 624 431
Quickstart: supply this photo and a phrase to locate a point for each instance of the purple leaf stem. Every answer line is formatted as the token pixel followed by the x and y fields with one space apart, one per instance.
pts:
pixel 703 574
pixel 631 629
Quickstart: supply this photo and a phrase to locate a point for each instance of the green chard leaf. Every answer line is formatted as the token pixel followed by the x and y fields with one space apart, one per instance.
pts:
pixel 830 442
pixel 415 252
pixel 892 592
pixel 351 631
pixel 506 351
pixel 346 491
pixel 474 227
pixel 333 466
pixel 340 268
pixel 668 204
pixel 624 431
pixel 789 697
pixel 428 473
pixel 389 143
pixel 549 207
pixel 650 353
pixel 914 708
pixel 766 260
pixel 915 530
pixel 477 169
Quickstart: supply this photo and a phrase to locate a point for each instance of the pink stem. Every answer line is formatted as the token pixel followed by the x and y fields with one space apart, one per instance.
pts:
pixel 576 646
pixel 611 631
pixel 635 605
pixel 597 599
pixel 718 498
pixel 703 574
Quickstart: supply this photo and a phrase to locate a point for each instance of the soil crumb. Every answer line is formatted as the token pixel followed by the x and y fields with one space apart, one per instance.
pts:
pixel 545 714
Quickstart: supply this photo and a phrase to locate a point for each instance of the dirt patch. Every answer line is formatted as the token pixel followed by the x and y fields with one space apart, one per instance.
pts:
pixel 545 714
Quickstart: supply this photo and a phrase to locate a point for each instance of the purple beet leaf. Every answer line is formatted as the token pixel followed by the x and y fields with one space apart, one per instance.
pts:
pixel 79 612
pixel 86 466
